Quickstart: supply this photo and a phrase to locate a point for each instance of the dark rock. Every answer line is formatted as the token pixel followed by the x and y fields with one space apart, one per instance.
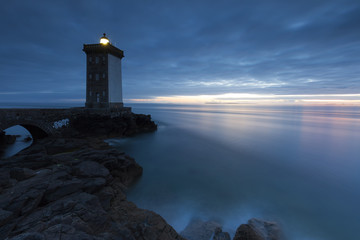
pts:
pixel 79 209
pixel 100 125
pixel 67 232
pixel 10 139
pixel 220 235
pixel 91 169
pixel 5 216
pixel 257 229
pixel 31 161
pixel 105 196
pixel 61 145
pixel 118 188
pixel 121 166
pixel 6 229
pixel 29 236
pixel 246 232
pixel 6 139
pixel 200 230
pixel 21 173
pixel 60 188
pixel 2 137
pixel 4 178
pixel 143 224
pixel 93 185
pixel 77 194
pixel 24 196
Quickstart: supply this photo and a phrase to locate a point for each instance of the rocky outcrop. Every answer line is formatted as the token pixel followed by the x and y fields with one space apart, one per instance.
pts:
pixel 79 121
pixel 200 230
pixel 2 137
pixel 2 141
pixel 220 235
pixel 73 189
pixel 6 139
pixel 257 229
pixel 105 125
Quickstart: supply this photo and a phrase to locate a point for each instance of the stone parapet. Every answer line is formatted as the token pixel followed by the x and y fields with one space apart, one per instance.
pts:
pixel 41 122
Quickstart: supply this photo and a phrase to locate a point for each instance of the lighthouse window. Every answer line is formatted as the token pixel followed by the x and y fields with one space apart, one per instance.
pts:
pixel 97 60
pixel 90 76
pixel 104 93
pixel 104 75
pixel 103 59
pixel 90 93
pixel 97 77
pixel 90 59
pixel 97 97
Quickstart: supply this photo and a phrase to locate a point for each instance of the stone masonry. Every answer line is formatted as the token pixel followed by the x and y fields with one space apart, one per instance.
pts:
pixel 49 122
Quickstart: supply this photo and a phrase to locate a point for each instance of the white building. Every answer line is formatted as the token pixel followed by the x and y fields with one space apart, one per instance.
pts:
pixel 103 75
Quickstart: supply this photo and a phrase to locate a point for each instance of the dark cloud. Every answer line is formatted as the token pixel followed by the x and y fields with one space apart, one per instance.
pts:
pixel 182 48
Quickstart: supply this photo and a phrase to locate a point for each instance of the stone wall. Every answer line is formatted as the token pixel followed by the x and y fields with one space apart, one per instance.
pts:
pixel 52 122
pixel 2 137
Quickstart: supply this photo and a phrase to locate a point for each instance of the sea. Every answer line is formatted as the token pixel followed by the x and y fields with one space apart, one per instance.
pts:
pixel 298 166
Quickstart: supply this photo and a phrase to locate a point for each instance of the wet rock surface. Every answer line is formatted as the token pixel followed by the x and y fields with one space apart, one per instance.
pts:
pixel 200 230
pixel 73 189
pixel 204 230
pixel 257 229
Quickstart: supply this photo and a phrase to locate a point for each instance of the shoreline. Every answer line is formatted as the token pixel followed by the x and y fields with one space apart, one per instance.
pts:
pixel 90 175
pixel 83 195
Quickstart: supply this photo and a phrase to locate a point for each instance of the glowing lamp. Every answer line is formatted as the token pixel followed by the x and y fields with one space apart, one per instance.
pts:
pixel 104 40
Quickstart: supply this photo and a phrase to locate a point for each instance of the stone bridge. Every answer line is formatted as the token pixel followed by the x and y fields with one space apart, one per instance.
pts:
pixel 48 122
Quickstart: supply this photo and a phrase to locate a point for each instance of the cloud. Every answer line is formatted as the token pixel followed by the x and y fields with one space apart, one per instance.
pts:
pixel 246 98
pixel 184 48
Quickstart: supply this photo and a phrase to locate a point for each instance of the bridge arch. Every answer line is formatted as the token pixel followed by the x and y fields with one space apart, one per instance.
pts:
pixel 36 129
pixel 39 122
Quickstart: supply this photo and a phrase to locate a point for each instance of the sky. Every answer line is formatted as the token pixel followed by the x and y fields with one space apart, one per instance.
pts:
pixel 185 51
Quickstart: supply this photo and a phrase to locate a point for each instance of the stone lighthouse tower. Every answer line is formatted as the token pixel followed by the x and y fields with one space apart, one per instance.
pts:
pixel 103 75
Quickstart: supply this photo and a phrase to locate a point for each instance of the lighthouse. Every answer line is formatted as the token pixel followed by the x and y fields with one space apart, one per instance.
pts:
pixel 103 75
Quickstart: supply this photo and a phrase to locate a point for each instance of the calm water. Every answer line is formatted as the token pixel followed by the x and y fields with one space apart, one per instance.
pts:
pixel 20 142
pixel 298 166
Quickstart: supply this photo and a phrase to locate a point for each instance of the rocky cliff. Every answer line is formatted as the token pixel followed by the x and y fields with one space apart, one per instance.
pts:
pixel 90 124
pixel 73 189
